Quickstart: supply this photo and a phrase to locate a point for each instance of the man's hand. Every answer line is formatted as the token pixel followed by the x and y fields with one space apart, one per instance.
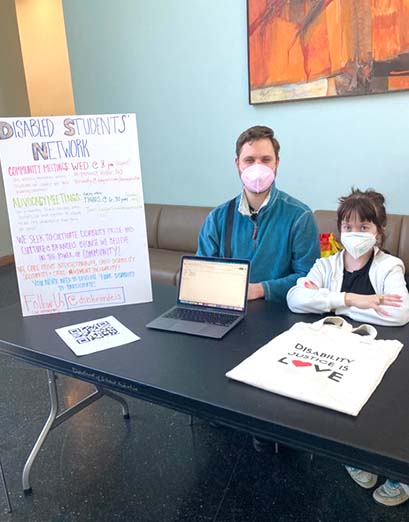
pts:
pixel 255 291
pixel 374 301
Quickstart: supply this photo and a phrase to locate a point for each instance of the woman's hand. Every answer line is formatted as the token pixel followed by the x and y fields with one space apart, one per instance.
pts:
pixel 311 285
pixel 374 301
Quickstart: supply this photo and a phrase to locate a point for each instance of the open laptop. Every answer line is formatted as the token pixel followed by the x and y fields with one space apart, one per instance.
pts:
pixel 212 297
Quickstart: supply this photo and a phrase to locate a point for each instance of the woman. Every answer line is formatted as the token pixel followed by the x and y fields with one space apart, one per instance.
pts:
pixel 361 282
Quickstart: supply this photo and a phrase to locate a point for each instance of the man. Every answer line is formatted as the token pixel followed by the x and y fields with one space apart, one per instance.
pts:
pixel 276 232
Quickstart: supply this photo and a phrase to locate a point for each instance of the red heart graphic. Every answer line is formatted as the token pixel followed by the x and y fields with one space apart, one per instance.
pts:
pixel 301 363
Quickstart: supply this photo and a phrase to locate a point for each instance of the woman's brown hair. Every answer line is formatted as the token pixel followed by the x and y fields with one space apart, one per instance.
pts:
pixel 368 206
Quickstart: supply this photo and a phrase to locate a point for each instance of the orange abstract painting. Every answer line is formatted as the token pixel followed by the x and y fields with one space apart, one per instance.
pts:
pixel 320 48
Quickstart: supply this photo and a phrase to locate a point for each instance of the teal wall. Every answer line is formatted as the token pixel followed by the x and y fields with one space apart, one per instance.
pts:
pixel 181 66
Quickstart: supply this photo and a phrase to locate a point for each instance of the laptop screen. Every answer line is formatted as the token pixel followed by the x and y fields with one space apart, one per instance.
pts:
pixel 219 283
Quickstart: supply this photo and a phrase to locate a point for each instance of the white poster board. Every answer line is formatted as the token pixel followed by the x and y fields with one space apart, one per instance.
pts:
pixel 74 196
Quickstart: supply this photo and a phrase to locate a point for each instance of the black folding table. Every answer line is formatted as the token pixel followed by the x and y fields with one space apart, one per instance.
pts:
pixel 187 373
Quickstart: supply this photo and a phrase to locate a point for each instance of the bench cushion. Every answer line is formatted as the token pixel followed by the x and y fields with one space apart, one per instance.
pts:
pixel 165 265
pixel 179 227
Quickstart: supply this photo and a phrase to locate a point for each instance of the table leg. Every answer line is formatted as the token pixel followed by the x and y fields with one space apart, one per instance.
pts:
pixel 44 432
pixel 115 397
pixel 3 480
pixel 55 420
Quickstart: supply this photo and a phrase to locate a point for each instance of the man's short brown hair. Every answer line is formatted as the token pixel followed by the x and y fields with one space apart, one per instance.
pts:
pixel 258 132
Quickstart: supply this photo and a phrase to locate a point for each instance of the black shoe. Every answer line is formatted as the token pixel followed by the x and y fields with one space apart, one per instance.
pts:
pixel 264 445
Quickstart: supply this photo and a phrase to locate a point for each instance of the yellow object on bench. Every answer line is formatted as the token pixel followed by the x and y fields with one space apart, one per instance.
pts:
pixel 329 245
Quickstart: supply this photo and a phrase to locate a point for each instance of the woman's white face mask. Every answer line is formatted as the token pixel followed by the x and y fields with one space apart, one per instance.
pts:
pixel 358 243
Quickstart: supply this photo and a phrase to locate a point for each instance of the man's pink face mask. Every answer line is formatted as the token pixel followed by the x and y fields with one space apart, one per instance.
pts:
pixel 258 178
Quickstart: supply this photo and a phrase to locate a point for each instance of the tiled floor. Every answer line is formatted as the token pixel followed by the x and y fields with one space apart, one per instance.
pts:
pixel 155 467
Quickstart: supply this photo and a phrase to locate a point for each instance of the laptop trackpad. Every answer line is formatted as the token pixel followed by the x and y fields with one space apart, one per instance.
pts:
pixel 177 325
pixel 188 326
pixel 207 330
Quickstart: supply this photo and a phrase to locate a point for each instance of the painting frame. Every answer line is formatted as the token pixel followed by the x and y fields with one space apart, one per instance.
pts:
pixel 314 49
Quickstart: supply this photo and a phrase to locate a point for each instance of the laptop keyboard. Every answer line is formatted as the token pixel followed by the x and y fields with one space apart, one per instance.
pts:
pixel 201 316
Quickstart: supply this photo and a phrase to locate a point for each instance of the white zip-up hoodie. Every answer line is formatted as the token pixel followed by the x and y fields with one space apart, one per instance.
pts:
pixel 386 274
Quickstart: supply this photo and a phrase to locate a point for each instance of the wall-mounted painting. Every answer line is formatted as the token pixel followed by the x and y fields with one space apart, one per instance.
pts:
pixel 302 49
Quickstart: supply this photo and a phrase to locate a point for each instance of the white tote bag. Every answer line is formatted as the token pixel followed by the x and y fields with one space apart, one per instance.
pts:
pixel 327 363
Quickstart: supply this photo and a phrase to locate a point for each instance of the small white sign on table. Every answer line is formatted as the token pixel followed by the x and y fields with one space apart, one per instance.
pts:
pixel 74 195
pixel 97 335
